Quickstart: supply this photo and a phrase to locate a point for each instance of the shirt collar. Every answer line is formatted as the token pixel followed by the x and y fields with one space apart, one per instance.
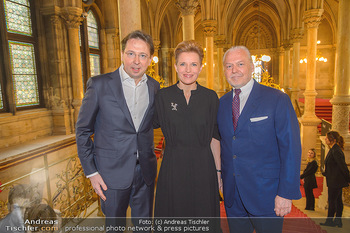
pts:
pixel 125 77
pixel 246 89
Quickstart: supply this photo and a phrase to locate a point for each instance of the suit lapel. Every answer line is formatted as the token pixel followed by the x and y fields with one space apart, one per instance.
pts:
pixel 227 108
pixel 250 106
pixel 116 86
pixel 151 92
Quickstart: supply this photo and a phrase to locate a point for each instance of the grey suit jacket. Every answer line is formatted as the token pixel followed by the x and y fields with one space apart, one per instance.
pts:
pixel 113 151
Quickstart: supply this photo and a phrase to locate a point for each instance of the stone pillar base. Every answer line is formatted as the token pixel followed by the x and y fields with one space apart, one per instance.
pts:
pixel 308 133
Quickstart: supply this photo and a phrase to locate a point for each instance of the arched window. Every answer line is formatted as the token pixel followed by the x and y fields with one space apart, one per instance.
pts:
pixel 90 47
pixel 19 87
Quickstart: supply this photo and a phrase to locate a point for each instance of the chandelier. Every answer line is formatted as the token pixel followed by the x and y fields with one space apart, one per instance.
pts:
pixel 260 65
pixel 319 57
pixel 151 72
pixel 261 74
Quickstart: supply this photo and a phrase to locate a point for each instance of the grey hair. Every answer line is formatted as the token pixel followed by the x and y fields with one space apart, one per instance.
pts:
pixel 238 47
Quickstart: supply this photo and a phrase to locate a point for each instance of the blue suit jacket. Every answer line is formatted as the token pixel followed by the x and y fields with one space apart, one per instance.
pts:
pixel 262 157
pixel 113 152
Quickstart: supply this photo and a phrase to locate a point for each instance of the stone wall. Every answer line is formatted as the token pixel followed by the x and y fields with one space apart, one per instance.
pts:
pixel 24 126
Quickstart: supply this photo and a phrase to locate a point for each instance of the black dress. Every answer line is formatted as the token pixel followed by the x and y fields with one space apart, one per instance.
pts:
pixel 187 182
pixel 310 183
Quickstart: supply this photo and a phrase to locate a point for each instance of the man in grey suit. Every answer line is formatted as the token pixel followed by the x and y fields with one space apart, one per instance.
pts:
pixel 118 109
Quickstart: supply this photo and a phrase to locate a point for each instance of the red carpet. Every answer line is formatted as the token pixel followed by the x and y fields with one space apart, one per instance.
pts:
pixel 317 191
pixel 295 222
pixel 158 148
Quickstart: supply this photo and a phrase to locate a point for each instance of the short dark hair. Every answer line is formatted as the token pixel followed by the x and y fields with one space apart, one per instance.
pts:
pixel 189 46
pixel 138 34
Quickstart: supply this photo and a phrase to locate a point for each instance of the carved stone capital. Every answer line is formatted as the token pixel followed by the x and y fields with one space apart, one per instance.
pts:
pixel 220 41
pixel 187 7
pixel 55 20
pixel 296 34
pixel 280 50
pixel 287 45
pixel 312 18
pixel 156 44
pixel 72 16
pixel 209 27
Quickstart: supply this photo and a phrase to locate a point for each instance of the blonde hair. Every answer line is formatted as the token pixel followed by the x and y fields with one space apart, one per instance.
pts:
pixel 189 46
pixel 314 158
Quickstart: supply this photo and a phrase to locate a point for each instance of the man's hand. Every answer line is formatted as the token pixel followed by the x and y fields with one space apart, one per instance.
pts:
pixel 220 182
pixel 98 183
pixel 283 206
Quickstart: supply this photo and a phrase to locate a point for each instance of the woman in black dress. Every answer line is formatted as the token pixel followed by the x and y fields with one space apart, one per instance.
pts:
pixel 337 177
pixel 189 177
pixel 310 179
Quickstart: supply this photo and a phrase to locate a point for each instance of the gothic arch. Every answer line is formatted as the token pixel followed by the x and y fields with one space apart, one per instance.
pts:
pixel 256 33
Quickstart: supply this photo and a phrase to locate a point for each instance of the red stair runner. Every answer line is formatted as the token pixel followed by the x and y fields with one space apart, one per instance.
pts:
pixel 323 110
pixel 317 191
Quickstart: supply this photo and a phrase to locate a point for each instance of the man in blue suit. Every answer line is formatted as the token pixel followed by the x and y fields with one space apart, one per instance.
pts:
pixel 260 149
pixel 118 110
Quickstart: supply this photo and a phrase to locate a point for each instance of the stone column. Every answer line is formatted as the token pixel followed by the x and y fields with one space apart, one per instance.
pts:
pixel 166 69
pixel 156 44
pixel 209 27
pixel 227 85
pixel 129 16
pixel 60 95
pixel 173 71
pixel 220 41
pixel 113 49
pixel 309 121
pixel 188 10
pixel 281 66
pixel 296 36
pixel 341 97
pixel 72 17
pixel 286 66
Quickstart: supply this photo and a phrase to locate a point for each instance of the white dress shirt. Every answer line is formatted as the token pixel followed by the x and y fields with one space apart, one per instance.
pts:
pixel 136 96
pixel 243 96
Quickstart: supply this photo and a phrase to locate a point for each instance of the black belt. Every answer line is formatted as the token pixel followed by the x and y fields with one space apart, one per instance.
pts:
pixel 137 161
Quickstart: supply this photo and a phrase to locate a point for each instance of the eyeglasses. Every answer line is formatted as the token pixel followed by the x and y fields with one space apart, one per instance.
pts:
pixel 133 55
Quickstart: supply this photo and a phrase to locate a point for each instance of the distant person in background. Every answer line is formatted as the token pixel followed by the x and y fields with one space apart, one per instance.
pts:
pixel 20 198
pixel 48 219
pixel 337 177
pixel 310 179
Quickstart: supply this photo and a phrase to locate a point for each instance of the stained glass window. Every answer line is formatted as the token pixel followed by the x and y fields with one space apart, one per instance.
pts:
pixel 94 64
pixel 79 36
pixel 24 73
pixel 1 104
pixel 90 47
pixel 18 19
pixel 92 30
